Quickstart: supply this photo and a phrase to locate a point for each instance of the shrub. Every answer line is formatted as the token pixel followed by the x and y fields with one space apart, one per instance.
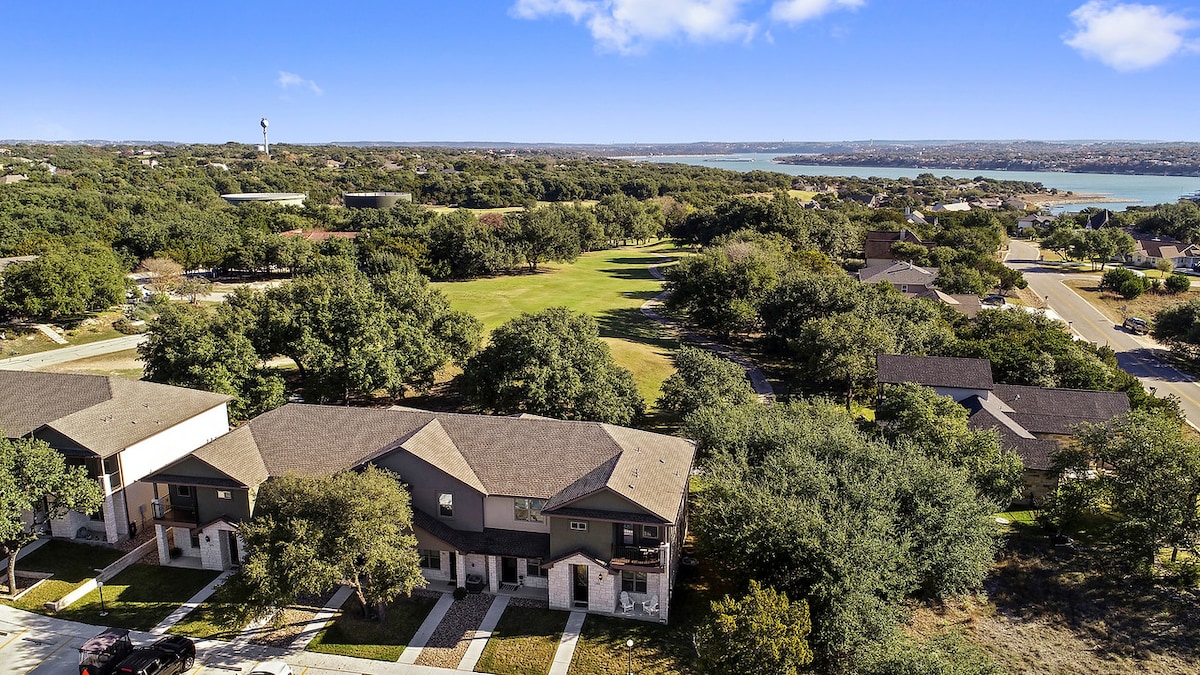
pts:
pixel 1132 288
pixel 124 325
pixel 175 551
pixel 1116 277
pixel 460 593
pixel 1178 283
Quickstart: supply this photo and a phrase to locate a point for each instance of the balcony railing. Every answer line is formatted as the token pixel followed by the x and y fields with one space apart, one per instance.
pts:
pixel 640 556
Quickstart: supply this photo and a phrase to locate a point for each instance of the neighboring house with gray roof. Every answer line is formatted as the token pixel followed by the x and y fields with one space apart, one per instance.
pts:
pixel 1033 422
pixel 903 276
pixel 570 512
pixel 121 430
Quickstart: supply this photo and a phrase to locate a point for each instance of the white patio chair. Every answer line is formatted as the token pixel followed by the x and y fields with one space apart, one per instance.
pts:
pixel 626 603
pixel 650 606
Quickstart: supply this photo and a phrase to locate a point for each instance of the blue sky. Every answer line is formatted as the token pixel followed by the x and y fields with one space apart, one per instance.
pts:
pixel 602 71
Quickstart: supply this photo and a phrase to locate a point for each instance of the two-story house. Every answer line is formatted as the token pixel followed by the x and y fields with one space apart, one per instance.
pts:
pixel 121 430
pixel 574 512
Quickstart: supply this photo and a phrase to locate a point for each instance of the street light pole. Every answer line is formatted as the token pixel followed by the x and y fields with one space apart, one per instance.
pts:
pixel 629 652
pixel 100 587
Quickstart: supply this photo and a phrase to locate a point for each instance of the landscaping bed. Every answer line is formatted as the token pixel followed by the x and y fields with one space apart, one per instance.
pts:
pixel 524 642
pixel 350 634
pixel 449 642
pixel 70 563
pixel 140 597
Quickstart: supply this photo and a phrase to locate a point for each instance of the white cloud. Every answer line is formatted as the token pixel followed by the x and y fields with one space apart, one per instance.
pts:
pixel 1128 36
pixel 626 26
pixel 288 80
pixel 798 11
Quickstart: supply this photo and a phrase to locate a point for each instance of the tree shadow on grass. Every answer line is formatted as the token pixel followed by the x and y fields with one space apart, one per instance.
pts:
pixel 631 273
pixel 630 324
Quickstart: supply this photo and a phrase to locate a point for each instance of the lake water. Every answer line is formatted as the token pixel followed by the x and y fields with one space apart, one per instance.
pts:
pixel 1130 190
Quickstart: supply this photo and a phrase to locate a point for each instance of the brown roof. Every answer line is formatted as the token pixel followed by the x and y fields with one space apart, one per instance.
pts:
pixel 935 371
pixel 103 415
pixel 509 456
pixel 878 244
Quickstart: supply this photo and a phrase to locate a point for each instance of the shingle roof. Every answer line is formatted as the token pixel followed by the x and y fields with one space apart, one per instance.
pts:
pixel 1044 410
pixel 935 371
pixel 105 415
pixel 508 456
pixel 1035 453
pixel 898 272
pixel 878 243
pixel 493 541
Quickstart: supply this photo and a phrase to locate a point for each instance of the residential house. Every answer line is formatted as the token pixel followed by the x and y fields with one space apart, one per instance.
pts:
pixel 918 282
pixel 878 246
pixel 1033 220
pixel 1033 422
pixel 1099 219
pixel 913 217
pixel 575 513
pixel 1150 248
pixel 950 207
pixel 5 262
pixel 121 430
pixel 13 178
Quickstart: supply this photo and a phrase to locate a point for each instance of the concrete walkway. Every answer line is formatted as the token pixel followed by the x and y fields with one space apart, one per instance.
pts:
pixel 192 603
pixel 483 633
pixel 430 624
pixel 566 646
pixel 758 379
pixel 310 629
pixel 52 334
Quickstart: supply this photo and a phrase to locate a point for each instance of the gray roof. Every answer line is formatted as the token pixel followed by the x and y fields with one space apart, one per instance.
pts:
pixel 493 541
pixel 989 414
pixel 1044 410
pixel 507 456
pixel 935 371
pixel 103 415
pixel 898 273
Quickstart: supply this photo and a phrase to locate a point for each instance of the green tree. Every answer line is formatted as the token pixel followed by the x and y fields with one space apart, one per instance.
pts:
pixel 1164 265
pixel 1178 283
pixel 37 485
pixel 910 252
pixel 1150 486
pixel 551 363
pixel 701 380
pixel 761 632
pixel 64 283
pixel 310 533
pixel 541 235
pixel 938 427
pixel 189 346
pixel 1178 327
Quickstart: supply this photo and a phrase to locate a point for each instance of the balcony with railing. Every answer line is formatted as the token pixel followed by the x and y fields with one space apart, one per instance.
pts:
pixel 639 556
pixel 174 515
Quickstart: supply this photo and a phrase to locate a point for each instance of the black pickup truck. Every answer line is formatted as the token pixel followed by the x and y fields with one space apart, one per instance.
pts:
pixel 169 656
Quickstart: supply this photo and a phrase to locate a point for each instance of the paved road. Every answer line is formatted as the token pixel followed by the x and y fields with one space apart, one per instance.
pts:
pixel 65 354
pixel 1135 353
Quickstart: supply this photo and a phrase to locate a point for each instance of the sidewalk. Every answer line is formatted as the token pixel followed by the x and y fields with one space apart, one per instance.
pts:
pixel 483 633
pixel 566 646
pixel 430 624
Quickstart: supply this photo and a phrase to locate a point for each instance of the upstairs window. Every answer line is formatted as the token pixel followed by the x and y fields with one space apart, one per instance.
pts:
pixel 579 525
pixel 224 494
pixel 649 532
pixel 445 505
pixel 528 509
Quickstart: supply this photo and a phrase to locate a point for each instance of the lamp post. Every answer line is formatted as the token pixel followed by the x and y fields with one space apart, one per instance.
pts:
pixel 100 587
pixel 629 654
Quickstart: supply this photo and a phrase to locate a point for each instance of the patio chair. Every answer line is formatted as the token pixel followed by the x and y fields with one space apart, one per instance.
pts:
pixel 626 603
pixel 650 606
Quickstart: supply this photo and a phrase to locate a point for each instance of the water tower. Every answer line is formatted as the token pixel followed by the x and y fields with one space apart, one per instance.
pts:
pixel 266 146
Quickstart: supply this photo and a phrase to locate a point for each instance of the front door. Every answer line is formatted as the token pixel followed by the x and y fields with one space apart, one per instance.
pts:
pixel 508 570
pixel 580 595
pixel 453 566
pixel 235 560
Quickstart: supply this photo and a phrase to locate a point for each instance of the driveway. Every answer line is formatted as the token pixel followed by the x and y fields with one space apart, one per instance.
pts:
pixel 1137 354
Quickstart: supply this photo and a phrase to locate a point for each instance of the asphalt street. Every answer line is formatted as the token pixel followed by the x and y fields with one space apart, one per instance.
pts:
pixel 1137 354
pixel 65 354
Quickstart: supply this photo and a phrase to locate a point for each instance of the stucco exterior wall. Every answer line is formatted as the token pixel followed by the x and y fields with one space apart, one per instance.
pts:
pixel 500 513
pixel 141 459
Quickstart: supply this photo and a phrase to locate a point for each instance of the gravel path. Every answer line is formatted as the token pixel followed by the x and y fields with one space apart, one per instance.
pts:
pixel 449 642
pixel 758 379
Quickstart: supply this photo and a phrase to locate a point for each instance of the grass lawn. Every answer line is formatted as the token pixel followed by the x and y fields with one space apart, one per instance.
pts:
pixel 352 635
pixel 139 597
pixel 216 618
pixel 524 642
pixel 609 285
pixel 120 364
pixel 21 340
pixel 71 564
pixel 1112 305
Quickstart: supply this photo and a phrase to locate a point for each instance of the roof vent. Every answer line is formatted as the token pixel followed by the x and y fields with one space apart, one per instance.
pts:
pixel 636 474
pixel 631 486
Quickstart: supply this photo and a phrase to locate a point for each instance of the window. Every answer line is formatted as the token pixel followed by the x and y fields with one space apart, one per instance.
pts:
pixel 633 582
pixel 430 559
pixel 579 525
pixel 627 534
pixel 184 490
pixel 533 568
pixel 649 532
pixel 224 494
pixel 528 509
pixel 445 505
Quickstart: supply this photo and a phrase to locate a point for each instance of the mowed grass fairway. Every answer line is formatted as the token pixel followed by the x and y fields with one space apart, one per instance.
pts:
pixel 608 285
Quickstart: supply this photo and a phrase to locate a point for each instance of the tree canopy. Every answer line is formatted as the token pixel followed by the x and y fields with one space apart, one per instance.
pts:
pixel 701 380
pixel 761 632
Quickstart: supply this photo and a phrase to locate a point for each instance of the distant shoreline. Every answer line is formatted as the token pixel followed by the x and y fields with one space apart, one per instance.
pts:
pixel 1047 200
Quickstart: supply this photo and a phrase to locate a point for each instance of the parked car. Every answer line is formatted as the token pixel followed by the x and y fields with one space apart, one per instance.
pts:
pixel 101 654
pixel 1135 325
pixel 994 300
pixel 271 668
pixel 169 656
